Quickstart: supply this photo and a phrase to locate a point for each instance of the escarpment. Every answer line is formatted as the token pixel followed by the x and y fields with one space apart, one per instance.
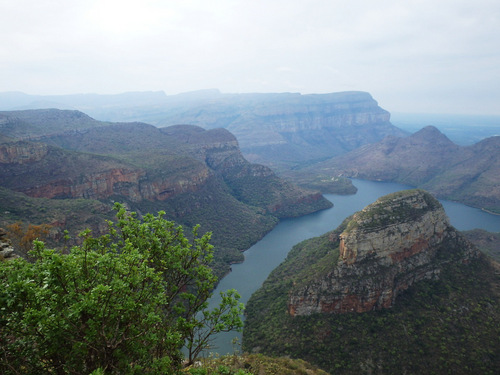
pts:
pixel 22 152
pixel 142 163
pixel 289 129
pixel 397 241
pixel 75 157
pixel 43 171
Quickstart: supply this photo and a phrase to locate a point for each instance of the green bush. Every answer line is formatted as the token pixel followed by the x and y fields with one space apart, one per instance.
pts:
pixel 122 303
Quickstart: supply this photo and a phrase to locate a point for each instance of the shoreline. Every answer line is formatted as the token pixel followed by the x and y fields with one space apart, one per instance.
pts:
pixel 490 212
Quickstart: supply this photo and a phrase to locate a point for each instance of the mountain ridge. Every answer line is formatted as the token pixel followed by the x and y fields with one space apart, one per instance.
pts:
pixel 272 128
pixel 428 159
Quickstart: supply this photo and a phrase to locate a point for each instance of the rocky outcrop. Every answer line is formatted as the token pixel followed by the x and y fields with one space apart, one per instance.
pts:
pixel 165 188
pixel 22 152
pixel 97 185
pixel 6 249
pixel 385 248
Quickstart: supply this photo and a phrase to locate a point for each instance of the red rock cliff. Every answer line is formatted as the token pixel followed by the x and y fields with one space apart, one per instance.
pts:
pixel 385 248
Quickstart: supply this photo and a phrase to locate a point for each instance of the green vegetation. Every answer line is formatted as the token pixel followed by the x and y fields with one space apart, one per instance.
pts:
pixel 392 208
pixel 320 182
pixel 253 364
pixel 487 242
pixel 449 326
pixel 259 187
pixel 121 303
pixel 73 215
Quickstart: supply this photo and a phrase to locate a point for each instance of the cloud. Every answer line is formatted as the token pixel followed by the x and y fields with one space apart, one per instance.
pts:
pixel 403 52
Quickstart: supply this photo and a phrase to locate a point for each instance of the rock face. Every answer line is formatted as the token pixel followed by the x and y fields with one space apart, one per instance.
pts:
pixel 385 248
pixel 22 152
pixel 285 130
pixel 6 249
pixel 276 129
pixel 201 157
pixel 143 162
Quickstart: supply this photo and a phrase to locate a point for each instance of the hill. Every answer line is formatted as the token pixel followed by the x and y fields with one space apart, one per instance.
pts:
pixel 393 285
pixel 197 176
pixel 285 131
pixel 428 159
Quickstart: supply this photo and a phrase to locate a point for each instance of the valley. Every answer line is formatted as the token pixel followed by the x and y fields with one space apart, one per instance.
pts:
pixel 252 169
pixel 271 251
pixel 428 159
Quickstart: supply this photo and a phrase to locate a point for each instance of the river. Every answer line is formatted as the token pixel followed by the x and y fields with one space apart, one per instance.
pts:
pixel 271 250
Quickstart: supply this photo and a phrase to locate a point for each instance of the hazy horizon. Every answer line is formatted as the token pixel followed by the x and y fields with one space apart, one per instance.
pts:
pixel 412 57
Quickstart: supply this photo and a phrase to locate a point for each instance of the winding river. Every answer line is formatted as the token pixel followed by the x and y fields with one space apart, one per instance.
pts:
pixel 271 250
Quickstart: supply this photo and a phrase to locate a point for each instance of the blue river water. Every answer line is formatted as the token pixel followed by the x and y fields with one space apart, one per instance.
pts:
pixel 271 250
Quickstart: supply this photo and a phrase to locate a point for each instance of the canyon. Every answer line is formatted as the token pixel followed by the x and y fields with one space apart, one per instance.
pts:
pixel 198 176
pixel 280 130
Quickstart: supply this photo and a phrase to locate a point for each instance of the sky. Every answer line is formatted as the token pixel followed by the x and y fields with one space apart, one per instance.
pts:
pixel 413 56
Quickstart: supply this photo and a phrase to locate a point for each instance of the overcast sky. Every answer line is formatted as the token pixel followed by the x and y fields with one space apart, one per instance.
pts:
pixel 422 56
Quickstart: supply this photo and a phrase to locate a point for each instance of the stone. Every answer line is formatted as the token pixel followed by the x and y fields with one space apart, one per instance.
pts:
pixel 6 249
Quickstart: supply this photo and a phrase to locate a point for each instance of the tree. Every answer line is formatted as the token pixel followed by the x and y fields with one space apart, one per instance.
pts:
pixel 22 236
pixel 125 302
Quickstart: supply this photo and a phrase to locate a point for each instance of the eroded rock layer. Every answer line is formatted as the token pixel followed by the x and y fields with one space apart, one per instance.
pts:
pixel 385 248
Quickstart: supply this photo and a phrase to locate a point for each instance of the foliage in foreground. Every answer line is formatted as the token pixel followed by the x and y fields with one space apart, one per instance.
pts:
pixel 253 364
pixel 125 302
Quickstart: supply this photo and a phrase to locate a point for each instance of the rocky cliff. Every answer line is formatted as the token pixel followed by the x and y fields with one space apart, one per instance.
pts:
pixel 22 152
pixel 387 247
pixel 282 130
pixel 165 163
pixel 289 130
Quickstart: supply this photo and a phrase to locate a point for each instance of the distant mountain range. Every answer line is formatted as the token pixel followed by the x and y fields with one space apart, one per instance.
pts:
pixel 285 130
pixel 429 160
pixel 305 138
